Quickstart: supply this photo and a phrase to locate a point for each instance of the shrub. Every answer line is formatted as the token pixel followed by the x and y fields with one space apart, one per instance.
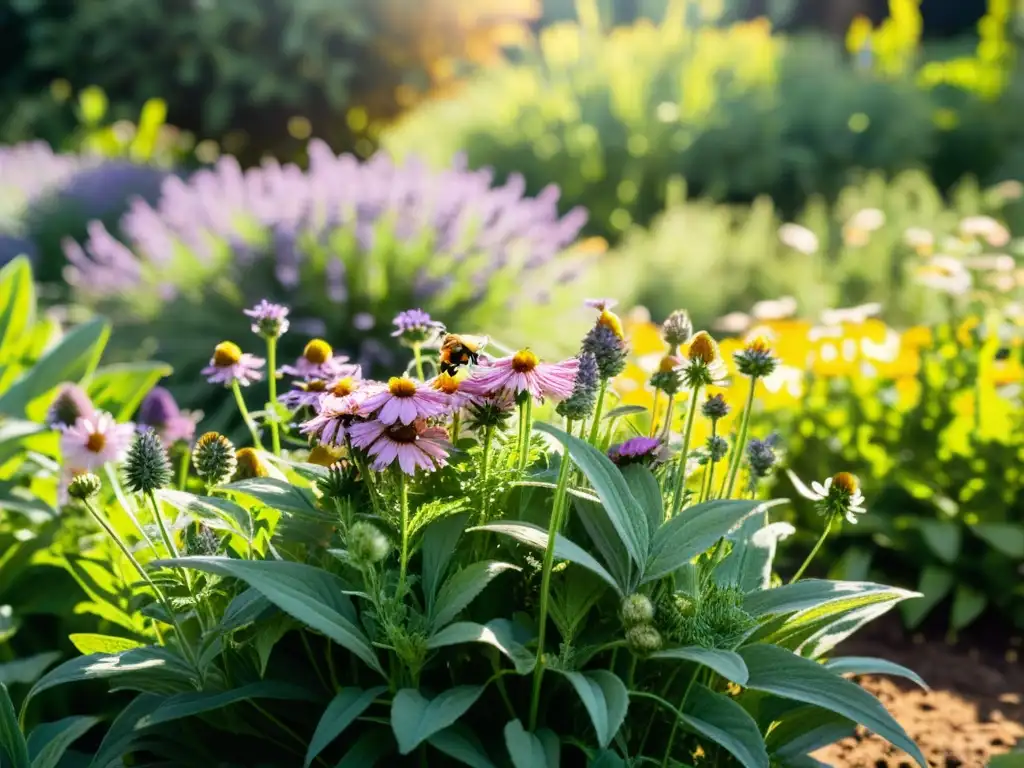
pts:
pixel 417 603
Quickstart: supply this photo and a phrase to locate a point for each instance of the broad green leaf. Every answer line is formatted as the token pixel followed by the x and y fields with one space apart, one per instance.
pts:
pixel 608 759
pixel 605 698
pixel 728 664
pixel 749 565
pixel 462 588
pixel 278 494
pixel 122 734
pixel 214 512
pixel 311 595
pixel 439 542
pixel 368 750
pixel 821 637
pixel 803 730
pixel 811 594
pixel 689 534
pixel 267 635
pixel 414 718
pixel 28 669
pixel 188 704
pixel 536 537
pixel 1007 538
pixel 247 607
pixel 17 306
pixel 460 742
pixel 48 742
pixel 574 593
pixel 108 644
pixel 531 750
pixel 776 670
pixel 967 606
pixel 933 586
pixel 625 410
pixel 622 509
pixel 602 533
pixel 719 718
pixel 499 633
pixel 73 359
pixel 943 538
pixel 11 740
pixel 867 665
pixel 645 489
pixel 118 389
pixel 339 715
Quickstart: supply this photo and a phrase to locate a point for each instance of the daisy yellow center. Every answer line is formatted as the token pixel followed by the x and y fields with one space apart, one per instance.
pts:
pixel 667 364
pixel 315 386
pixel 703 348
pixel 401 386
pixel 446 383
pixel 96 442
pixel 759 344
pixel 226 354
pixel 524 361
pixel 611 320
pixel 845 482
pixel 344 387
pixel 317 352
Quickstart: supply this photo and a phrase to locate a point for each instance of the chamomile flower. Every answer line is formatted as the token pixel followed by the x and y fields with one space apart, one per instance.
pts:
pixel 838 496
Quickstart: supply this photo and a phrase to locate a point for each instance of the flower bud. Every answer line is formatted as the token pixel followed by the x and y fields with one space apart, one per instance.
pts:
pixel 715 408
pixel 677 329
pixel 643 639
pixel 581 403
pixel 147 468
pixel 84 486
pixel 366 544
pixel 249 464
pixel 608 349
pixel 214 458
pixel 637 609
pixel 717 447
pixel 201 540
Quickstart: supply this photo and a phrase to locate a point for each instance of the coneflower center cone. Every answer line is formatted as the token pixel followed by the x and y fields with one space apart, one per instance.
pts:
pixel 524 361
pixel 317 352
pixel 96 442
pixel 400 386
pixel 226 354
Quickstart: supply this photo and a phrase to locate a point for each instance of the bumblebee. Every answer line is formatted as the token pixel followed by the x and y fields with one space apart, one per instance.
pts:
pixel 458 350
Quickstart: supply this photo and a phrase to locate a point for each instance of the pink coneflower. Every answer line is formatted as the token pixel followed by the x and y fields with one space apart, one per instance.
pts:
pixel 229 364
pixel 93 441
pixel 459 396
pixel 415 445
pixel 318 361
pixel 636 450
pixel 404 400
pixel 523 372
pixel 334 416
pixel 310 393
pixel 160 411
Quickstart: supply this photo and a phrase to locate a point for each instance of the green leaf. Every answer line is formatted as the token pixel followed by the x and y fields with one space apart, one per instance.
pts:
pixel 339 715
pixel 246 607
pixel 439 542
pixel 499 633
pixel 803 730
pixel 726 663
pixel 267 635
pixel 748 566
pixel 368 750
pixel 687 535
pixel 414 718
pixel 49 741
pixel 645 489
pixel 867 665
pixel 74 358
pixel 1007 538
pixel 28 669
pixel 942 538
pixel 311 595
pixel 462 588
pixel 625 410
pixel 108 644
pixel 12 742
pixel 460 742
pixel 277 494
pixel 933 586
pixel 602 533
pixel 776 670
pixel 622 509
pixel 967 606
pixel 721 719
pixel 536 537
pixel 531 750
pixel 605 698
pixel 122 735
pixel 118 389
pixel 214 512
pixel 607 759
pixel 17 306
pixel 817 593
pixel 183 705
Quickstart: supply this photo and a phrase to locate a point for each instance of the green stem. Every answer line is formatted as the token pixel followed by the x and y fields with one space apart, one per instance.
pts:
pixel 485 460
pixel 185 646
pixel 312 660
pixel 403 491
pixel 669 414
pixel 275 437
pixel 237 390
pixel 526 417
pixel 186 458
pixel 126 505
pixel 545 582
pixel 679 712
pixel 677 497
pixel 455 426
pixel 654 412
pixel 419 360
pixel 817 546
pixel 595 427
pixel 741 444
pixel 172 551
pixel 707 488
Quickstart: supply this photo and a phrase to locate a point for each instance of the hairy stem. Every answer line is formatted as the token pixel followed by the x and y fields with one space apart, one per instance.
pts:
pixel 403 491
pixel 249 423
pixel 741 445
pixel 275 437
pixel 677 497
pixel 595 427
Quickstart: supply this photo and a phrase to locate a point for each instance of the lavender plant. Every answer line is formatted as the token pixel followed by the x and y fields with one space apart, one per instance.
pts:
pixel 427 584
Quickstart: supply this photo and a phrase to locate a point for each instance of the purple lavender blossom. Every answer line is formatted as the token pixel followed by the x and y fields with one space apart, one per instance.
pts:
pixel 636 450
pixel 414 326
pixel 269 320
pixel 160 412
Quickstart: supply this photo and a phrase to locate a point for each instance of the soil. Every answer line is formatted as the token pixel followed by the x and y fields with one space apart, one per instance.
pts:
pixel 974 711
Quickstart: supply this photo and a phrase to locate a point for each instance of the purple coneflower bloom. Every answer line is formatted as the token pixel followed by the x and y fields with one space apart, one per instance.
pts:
pixel 318 361
pixel 460 396
pixel 310 393
pixel 229 364
pixel 404 400
pixel 160 411
pixel 334 416
pixel 414 326
pixel 636 450
pixel 95 440
pixel 415 445
pixel 268 320
pixel 523 372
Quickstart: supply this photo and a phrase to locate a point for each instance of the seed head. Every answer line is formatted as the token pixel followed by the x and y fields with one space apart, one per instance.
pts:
pixel 581 403
pixel 846 482
pixel 366 544
pixel 214 458
pixel 250 464
pixel 608 348
pixel 715 408
pixel 643 639
pixel 637 609
pixel 84 486
pixel 147 468
pixel 491 413
pixel 340 480
pixel 201 540
pixel 677 329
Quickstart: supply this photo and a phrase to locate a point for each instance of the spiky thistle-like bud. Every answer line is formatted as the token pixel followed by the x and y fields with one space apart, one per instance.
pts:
pixel 214 458
pixel 147 468
pixel 715 408
pixel 756 359
pixel 340 482
pixel 201 540
pixel 636 609
pixel 581 403
pixel 717 447
pixel 84 486
pixel 761 456
pixel 643 639
pixel 71 404
pixel 366 544
pixel 608 348
pixel 249 464
pixel 668 378
pixel 677 329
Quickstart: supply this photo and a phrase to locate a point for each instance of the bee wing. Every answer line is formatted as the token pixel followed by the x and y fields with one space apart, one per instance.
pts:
pixel 479 342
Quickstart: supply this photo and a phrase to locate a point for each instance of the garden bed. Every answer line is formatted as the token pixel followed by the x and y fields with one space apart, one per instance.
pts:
pixel 974 711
